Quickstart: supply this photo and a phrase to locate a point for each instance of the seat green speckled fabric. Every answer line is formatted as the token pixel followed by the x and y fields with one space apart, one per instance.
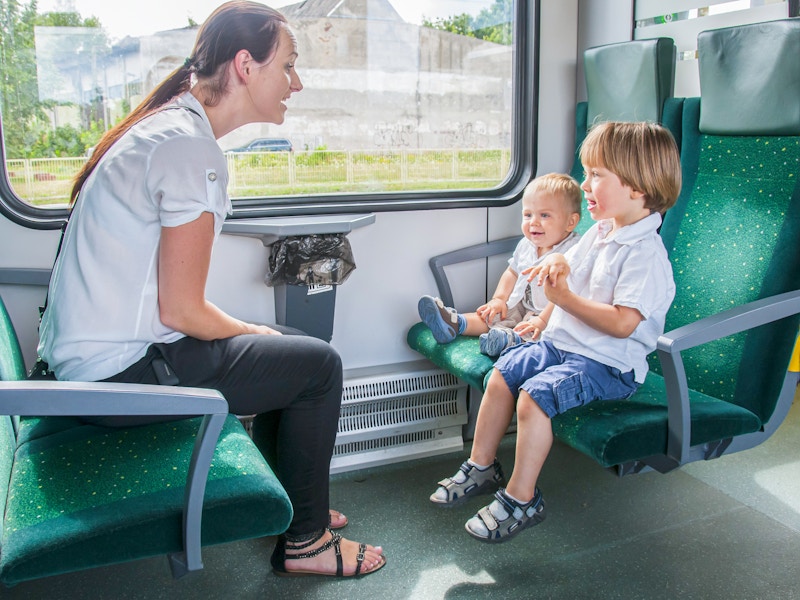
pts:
pixel 461 357
pixel 12 368
pixel 78 496
pixel 12 365
pixel 88 496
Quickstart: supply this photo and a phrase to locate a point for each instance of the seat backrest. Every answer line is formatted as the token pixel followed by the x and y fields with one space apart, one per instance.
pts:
pixel 628 81
pixel 12 368
pixel 12 365
pixel 734 234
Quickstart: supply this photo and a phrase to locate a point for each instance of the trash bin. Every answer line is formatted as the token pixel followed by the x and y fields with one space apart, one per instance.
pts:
pixel 305 270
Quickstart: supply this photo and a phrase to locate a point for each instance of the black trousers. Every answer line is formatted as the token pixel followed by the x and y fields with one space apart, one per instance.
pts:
pixel 292 382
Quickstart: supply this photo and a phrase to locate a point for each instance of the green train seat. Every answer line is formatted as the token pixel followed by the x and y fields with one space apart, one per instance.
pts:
pixel 77 496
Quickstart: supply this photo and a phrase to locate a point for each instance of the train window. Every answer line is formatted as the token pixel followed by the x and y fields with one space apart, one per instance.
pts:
pixel 406 102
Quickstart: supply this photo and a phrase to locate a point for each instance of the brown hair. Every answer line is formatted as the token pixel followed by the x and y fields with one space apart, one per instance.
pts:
pixel 643 155
pixel 233 26
pixel 558 184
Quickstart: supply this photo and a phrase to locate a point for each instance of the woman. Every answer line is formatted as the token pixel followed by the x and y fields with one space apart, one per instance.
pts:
pixel 127 296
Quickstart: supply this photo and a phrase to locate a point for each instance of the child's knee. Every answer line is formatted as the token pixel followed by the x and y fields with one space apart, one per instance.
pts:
pixel 497 383
pixel 528 409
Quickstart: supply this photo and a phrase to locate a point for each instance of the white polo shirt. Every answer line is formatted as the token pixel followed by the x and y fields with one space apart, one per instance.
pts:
pixel 629 268
pixel 102 311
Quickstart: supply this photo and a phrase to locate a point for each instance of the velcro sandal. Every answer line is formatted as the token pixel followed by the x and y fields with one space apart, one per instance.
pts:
pixel 440 319
pixel 505 517
pixel 467 482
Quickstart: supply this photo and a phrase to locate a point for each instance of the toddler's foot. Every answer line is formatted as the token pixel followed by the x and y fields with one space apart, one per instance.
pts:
pixel 498 339
pixel 505 517
pixel 441 320
pixel 470 480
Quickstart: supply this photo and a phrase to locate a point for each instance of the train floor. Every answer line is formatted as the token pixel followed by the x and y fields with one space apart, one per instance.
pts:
pixel 727 528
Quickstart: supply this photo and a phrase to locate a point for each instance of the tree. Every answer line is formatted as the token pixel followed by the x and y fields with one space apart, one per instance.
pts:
pixel 20 109
pixel 492 24
pixel 27 129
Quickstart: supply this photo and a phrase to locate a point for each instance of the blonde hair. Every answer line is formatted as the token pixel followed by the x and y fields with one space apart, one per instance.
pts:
pixel 643 155
pixel 558 184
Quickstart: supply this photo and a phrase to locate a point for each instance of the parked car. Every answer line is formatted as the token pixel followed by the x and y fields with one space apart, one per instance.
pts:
pixel 266 145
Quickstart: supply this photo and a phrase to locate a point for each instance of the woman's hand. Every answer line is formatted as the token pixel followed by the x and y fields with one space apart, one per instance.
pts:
pixel 264 330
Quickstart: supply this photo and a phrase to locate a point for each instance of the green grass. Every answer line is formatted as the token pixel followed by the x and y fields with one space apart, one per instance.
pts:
pixel 47 182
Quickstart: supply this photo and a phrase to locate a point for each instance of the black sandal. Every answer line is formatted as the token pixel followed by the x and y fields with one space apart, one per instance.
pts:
pixel 279 556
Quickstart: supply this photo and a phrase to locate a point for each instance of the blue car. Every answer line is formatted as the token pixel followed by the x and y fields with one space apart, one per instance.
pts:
pixel 266 145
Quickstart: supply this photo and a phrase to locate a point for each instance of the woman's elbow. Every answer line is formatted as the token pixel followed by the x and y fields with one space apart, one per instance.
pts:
pixel 174 317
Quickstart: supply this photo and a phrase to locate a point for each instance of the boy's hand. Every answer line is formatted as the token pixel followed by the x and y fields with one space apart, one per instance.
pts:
pixel 556 289
pixel 551 269
pixel 494 307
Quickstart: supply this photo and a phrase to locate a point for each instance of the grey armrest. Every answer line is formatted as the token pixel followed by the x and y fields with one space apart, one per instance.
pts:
pixel 726 323
pixel 438 263
pixel 46 398
pixel 50 398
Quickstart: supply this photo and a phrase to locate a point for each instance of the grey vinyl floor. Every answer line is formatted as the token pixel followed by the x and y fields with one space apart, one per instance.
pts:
pixel 728 528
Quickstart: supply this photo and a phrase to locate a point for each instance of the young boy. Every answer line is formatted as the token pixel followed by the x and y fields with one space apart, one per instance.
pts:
pixel 551 208
pixel 608 300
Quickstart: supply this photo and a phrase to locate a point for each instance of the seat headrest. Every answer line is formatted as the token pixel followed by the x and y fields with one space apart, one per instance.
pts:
pixel 629 81
pixel 750 79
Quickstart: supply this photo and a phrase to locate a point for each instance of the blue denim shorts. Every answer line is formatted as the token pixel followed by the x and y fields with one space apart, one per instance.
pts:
pixel 558 381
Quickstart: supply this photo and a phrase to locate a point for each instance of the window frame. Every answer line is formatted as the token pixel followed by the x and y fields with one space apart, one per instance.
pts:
pixel 523 163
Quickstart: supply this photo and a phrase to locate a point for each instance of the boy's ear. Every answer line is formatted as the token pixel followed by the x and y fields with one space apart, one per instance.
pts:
pixel 572 222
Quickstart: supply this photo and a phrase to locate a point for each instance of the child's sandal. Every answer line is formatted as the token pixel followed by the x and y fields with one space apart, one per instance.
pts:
pixel 504 518
pixel 469 481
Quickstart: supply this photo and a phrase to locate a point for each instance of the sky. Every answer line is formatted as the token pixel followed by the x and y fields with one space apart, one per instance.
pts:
pixel 143 17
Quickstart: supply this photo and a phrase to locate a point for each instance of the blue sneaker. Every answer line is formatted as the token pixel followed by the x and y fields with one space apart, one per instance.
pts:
pixel 497 340
pixel 441 320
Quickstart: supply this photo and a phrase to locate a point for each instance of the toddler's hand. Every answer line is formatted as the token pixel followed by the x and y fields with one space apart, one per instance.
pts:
pixel 528 328
pixel 493 308
pixel 551 269
pixel 532 326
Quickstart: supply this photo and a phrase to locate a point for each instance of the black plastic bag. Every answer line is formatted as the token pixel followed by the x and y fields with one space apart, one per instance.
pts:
pixel 320 259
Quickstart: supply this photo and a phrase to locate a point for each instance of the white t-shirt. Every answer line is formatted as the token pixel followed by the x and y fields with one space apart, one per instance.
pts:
pixel 525 255
pixel 629 268
pixel 102 311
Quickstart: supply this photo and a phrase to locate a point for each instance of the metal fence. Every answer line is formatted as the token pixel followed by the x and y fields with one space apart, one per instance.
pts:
pixel 48 181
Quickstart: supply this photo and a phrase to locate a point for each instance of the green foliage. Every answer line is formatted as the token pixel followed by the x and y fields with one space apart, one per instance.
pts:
pixel 27 129
pixel 66 19
pixel 320 156
pixel 66 141
pixel 21 112
pixel 493 24
pixel 459 24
